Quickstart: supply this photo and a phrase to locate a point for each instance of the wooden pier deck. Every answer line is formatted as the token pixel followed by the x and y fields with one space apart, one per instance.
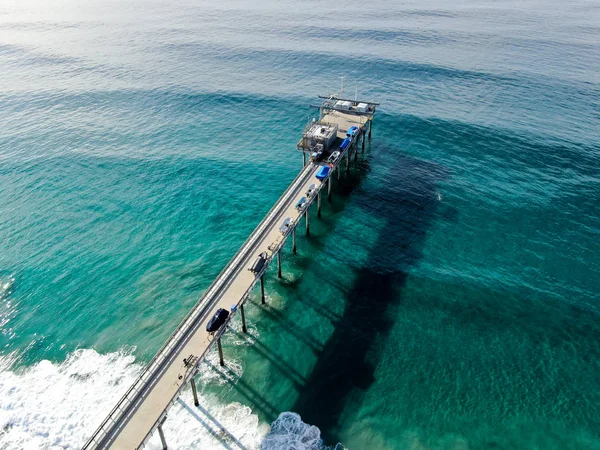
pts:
pixel 143 408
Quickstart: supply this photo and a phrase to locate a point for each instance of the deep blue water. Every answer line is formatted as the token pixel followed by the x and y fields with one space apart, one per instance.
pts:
pixel 449 295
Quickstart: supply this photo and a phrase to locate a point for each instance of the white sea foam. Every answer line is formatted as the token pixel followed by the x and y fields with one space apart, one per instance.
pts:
pixel 6 284
pixel 290 432
pixel 58 405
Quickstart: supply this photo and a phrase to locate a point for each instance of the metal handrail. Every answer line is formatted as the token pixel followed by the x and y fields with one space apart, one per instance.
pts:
pixel 175 339
pixel 335 97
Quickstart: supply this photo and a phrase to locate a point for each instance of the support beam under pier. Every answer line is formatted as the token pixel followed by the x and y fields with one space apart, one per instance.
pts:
pixel 194 391
pixel 279 264
pixel 294 240
pixel 244 329
pixel 319 203
pixel 162 437
pixel 221 361
pixel 307 223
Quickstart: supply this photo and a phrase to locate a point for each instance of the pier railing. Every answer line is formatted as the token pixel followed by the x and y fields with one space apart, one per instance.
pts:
pixel 115 418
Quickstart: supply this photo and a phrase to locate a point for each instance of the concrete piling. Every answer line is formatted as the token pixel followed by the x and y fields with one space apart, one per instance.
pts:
pixel 279 264
pixel 162 437
pixel 307 223
pixel 244 329
pixel 319 203
pixel 194 391
pixel 221 361
pixel 294 240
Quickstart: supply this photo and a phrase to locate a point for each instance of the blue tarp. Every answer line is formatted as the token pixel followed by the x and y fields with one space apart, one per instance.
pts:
pixel 345 143
pixel 323 172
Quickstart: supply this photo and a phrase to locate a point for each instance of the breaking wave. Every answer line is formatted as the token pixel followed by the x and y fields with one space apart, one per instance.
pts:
pixel 289 432
pixel 58 405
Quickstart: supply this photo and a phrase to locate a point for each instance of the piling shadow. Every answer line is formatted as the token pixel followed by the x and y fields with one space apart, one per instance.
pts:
pixel 289 327
pixel 261 403
pixel 341 191
pixel 276 360
pixel 406 205
pixel 223 436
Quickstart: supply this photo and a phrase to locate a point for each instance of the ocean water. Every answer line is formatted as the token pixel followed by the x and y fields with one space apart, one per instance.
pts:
pixel 448 298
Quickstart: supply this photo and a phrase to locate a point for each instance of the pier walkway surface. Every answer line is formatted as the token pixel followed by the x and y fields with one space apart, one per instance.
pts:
pixel 143 408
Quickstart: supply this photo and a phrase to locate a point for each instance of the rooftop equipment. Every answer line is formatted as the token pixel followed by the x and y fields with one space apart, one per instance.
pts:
pixel 343 104
pixel 319 133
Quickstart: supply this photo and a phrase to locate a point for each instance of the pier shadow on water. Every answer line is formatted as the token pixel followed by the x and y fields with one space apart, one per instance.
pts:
pixel 213 426
pixel 246 391
pixel 406 203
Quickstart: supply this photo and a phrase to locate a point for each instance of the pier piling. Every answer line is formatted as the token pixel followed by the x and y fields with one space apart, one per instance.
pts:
pixel 370 128
pixel 363 140
pixel 194 392
pixel 294 240
pixel 221 361
pixel 307 224
pixel 279 264
pixel 319 203
pixel 329 188
pixel 244 329
pixel 303 159
pixel 262 289
pixel 162 437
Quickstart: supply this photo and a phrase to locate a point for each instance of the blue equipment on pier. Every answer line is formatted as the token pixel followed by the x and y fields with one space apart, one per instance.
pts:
pixel 323 172
pixel 345 143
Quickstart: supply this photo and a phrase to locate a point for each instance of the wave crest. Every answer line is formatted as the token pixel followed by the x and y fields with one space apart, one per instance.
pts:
pixel 59 405
pixel 289 432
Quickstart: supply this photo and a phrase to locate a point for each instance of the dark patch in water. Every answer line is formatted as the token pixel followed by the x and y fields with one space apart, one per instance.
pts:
pixel 346 365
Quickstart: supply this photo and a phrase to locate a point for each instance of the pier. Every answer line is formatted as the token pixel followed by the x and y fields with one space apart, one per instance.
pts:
pixel 329 142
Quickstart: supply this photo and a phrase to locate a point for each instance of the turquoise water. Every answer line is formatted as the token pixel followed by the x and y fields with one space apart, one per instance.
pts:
pixel 449 295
